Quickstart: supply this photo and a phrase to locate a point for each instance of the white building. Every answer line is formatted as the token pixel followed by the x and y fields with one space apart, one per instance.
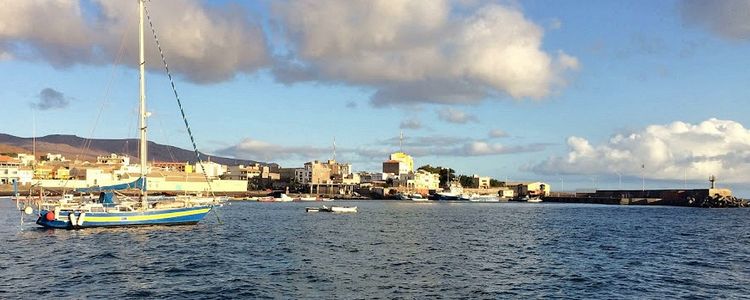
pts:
pixel 243 172
pixel 480 182
pixel 113 159
pixel 25 175
pixel 212 169
pixel 54 157
pixel 26 159
pixel 426 180
pixel 8 169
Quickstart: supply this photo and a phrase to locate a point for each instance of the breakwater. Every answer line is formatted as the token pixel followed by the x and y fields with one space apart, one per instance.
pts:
pixel 709 198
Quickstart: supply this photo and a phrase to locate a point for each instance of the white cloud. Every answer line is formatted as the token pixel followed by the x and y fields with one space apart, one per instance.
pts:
pixel 264 151
pixel 411 124
pixel 436 145
pixel 498 133
pixel 668 152
pixel 455 116
pixel 424 52
pixel 728 18
pixel 53 30
pixel 202 43
pixel 419 146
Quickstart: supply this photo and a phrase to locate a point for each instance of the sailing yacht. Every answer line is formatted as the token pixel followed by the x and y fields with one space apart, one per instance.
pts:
pixel 107 210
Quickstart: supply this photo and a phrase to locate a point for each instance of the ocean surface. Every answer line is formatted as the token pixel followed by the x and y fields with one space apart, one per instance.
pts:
pixel 390 250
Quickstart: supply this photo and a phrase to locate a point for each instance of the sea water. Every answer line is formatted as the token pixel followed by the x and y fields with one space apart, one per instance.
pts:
pixel 390 249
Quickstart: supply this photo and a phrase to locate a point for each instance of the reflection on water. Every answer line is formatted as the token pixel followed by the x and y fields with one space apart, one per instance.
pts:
pixel 389 250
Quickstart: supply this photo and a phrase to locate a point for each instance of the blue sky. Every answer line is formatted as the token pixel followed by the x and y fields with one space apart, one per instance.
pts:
pixel 573 91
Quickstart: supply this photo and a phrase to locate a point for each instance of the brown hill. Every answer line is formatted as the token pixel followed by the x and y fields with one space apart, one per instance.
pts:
pixel 74 147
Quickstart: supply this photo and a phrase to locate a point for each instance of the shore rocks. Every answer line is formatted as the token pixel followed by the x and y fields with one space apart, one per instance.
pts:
pixel 717 201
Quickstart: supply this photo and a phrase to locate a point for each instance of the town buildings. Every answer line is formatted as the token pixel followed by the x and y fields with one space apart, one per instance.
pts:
pixel 314 177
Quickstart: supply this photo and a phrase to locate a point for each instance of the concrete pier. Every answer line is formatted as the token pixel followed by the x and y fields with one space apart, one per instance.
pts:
pixel 673 197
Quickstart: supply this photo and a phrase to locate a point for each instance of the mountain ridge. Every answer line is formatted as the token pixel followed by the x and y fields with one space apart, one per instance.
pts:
pixel 75 147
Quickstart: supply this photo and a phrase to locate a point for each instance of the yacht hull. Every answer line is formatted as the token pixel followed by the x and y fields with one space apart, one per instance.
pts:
pixel 175 216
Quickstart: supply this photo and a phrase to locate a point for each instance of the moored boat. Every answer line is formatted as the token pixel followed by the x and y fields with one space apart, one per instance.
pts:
pixel 334 209
pixel 484 198
pixel 106 211
pixel 534 200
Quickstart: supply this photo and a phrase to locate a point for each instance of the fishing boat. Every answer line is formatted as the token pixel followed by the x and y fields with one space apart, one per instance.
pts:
pixel 108 210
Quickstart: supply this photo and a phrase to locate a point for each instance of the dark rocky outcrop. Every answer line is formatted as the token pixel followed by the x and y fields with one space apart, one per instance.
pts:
pixel 717 201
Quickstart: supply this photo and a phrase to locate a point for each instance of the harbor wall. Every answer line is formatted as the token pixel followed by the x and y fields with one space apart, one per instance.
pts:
pixel 673 197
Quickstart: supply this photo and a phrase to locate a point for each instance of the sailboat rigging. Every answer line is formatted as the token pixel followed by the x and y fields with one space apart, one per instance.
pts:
pixel 106 211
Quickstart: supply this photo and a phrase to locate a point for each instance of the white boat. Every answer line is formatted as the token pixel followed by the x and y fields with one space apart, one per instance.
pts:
pixel 344 209
pixel 308 198
pixel 334 209
pixel 418 198
pixel 484 198
pixel 534 200
pixel 283 198
pixel 455 192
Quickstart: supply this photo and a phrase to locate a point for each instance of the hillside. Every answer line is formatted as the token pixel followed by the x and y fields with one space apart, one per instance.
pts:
pixel 74 147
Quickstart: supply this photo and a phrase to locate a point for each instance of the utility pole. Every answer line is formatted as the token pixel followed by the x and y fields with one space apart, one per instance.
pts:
pixel 401 141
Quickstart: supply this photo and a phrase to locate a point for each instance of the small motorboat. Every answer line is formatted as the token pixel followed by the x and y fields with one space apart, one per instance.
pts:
pixel 334 209
pixel 484 198
pixel 308 198
pixel 343 209
pixel 534 200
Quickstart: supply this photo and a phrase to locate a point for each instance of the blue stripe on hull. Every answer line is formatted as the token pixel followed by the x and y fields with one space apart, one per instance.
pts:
pixel 190 219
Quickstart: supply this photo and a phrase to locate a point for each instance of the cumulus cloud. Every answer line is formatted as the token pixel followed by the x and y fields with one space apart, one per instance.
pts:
pixel 411 124
pixel 437 145
pixel 50 99
pixel 203 43
pixel 727 18
pixel 668 152
pixel 264 151
pixel 452 115
pixel 480 148
pixel 498 133
pixel 425 52
pixel 419 146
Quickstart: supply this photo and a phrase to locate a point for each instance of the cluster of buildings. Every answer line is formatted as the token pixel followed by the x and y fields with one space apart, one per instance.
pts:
pixel 315 177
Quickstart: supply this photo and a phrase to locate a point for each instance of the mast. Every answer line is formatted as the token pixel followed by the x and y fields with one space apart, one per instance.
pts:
pixel 142 96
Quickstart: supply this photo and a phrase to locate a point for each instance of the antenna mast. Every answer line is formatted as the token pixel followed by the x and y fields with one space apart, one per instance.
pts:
pixel 401 142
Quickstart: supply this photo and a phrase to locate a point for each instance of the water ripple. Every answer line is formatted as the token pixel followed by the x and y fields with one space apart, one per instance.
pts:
pixel 391 250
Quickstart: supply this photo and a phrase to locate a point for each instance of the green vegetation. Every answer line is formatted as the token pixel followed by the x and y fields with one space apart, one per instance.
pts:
pixel 465 180
pixel 496 183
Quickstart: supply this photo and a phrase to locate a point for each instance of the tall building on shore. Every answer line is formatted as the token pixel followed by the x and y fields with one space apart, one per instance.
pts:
pixel 399 163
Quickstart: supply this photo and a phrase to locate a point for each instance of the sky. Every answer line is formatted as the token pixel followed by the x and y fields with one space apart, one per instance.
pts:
pixel 580 94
